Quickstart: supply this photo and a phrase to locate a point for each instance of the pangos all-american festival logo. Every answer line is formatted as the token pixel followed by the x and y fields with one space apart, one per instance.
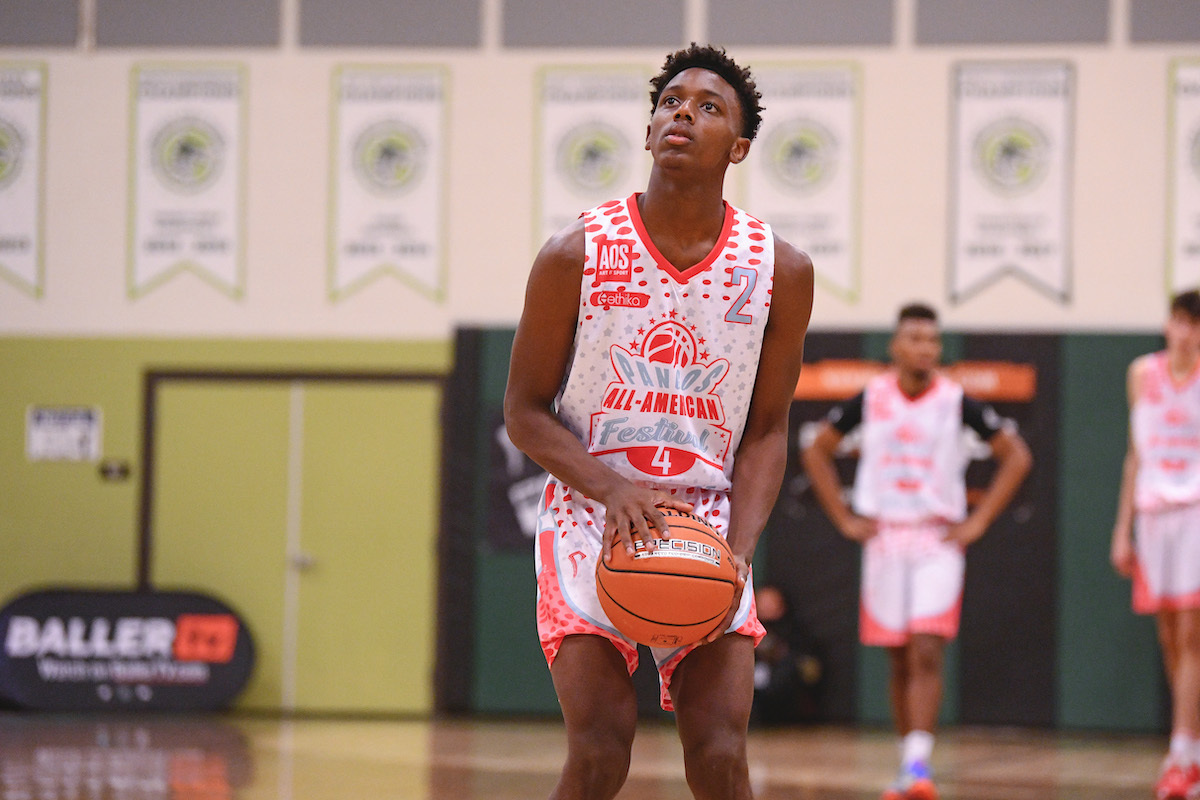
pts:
pixel 665 373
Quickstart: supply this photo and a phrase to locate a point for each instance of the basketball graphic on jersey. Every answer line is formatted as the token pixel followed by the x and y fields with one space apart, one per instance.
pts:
pixel 670 343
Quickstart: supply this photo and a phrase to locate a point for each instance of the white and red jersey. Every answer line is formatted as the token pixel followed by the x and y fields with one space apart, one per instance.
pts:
pixel 913 456
pixel 664 359
pixel 1165 429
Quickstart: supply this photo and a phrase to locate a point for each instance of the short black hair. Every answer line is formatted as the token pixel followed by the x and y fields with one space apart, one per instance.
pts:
pixel 916 311
pixel 1187 303
pixel 713 59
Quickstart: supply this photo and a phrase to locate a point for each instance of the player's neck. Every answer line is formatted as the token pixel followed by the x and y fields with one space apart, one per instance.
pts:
pixel 1181 362
pixel 914 384
pixel 688 205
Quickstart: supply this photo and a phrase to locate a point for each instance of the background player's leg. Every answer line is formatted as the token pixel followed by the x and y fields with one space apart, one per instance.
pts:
pixel 1185 683
pixel 1165 622
pixel 925 656
pixel 599 707
pixel 898 687
pixel 713 689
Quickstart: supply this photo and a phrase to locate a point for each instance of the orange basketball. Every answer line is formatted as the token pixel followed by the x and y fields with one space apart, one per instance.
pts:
pixel 674 595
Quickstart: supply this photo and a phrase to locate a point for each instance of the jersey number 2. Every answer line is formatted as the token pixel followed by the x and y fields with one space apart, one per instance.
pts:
pixel 747 278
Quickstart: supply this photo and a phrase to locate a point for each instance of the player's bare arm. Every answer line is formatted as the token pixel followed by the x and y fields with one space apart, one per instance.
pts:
pixel 1013 461
pixel 1121 554
pixel 761 458
pixel 818 459
pixel 540 357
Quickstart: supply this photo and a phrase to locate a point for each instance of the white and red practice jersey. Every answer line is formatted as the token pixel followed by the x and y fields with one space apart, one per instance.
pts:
pixel 1165 426
pixel 665 360
pixel 913 456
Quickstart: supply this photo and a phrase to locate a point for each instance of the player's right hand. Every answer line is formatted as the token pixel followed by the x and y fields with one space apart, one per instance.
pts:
pixel 858 529
pixel 633 512
pixel 1123 556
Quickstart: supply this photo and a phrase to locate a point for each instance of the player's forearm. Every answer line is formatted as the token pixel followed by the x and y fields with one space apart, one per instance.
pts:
pixel 542 436
pixel 1124 522
pixel 1013 468
pixel 757 476
pixel 826 484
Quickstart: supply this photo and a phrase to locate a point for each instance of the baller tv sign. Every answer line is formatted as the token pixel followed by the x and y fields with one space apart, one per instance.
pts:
pixel 89 650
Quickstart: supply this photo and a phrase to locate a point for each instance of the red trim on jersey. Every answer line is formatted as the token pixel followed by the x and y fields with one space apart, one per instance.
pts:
pixel 1178 385
pixel 680 276
pixel 933 384
pixel 873 633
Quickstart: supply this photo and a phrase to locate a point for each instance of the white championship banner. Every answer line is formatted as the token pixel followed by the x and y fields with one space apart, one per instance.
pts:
pixel 802 175
pixel 1010 176
pixel 590 142
pixel 1184 245
pixel 186 205
pixel 386 204
pixel 22 124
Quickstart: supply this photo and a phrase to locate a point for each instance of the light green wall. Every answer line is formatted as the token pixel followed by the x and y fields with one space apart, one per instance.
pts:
pixel 61 524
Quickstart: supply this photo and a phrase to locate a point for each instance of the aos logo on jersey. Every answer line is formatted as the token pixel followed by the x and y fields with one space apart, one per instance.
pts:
pixel 187 155
pixel 11 147
pixel 389 157
pixel 614 260
pixel 801 155
pixel 1012 155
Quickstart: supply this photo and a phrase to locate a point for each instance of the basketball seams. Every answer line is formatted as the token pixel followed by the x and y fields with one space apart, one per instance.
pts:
pixel 664 574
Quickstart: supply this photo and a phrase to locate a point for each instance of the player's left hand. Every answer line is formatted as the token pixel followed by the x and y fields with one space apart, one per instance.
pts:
pixel 966 532
pixel 739 586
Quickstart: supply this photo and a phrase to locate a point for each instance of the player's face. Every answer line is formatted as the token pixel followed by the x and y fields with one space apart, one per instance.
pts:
pixel 698 118
pixel 917 346
pixel 1182 332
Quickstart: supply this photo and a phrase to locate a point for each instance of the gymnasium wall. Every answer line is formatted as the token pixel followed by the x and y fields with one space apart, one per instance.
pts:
pixel 1048 638
pixel 492 50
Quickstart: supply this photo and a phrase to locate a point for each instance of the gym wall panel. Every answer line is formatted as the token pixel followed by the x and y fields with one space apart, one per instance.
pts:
pixel 801 22
pixel 390 23
pixel 39 23
pixel 183 23
pixel 581 23
pixel 1109 673
pixel 1163 21
pixel 953 22
pixel 1048 636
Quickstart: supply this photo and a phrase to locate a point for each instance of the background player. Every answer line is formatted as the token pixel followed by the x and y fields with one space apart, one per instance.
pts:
pixel 1160 496
pixel 668 293
pixel 909 510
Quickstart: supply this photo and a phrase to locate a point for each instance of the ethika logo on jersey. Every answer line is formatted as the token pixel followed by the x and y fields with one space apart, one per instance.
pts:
pixel 614 260
pixel 619 298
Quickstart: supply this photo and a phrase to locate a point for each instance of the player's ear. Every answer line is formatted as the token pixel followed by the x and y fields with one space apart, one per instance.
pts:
pixel 739 151
pixel 647 136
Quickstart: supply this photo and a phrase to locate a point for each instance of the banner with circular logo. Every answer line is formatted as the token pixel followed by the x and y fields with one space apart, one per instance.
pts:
pixel 1010 190
pixel 22 126
pixel 590 142
pixel 803 172
pixel 1184 205
pixel 187 177
pixel 386 207
pixel 85 650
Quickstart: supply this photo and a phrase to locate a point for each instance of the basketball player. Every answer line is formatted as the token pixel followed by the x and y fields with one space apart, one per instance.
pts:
pixel 1160 499
pixel 653 366
pixel 909 510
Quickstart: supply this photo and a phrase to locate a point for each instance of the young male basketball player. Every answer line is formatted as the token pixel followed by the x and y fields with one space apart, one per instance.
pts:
pixel 909 510
pixel 1160 499
pixel 653 366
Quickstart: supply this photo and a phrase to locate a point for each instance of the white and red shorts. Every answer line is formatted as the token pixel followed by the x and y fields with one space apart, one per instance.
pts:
pixel 569 540
pixel 1167 575
pixel 912 582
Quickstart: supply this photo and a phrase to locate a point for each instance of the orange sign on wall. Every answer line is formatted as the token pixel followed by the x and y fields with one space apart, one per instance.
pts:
pixel 990 381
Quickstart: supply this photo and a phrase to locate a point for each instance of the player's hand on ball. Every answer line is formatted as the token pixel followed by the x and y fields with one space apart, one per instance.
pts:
pixel 739 586
pixel 632 512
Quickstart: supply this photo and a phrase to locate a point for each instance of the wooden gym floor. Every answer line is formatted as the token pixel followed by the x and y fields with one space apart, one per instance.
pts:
pixel 48 757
